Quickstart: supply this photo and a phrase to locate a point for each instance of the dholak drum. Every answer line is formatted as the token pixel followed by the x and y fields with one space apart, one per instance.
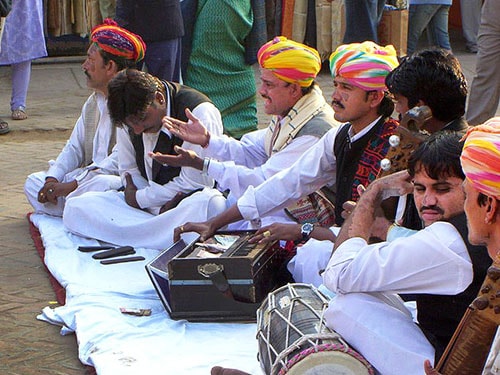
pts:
pixel 293 338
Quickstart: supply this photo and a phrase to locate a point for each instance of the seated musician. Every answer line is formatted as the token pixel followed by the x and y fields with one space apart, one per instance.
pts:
pixel 417 81
pixel 345 157
pixel 150 204
pixel 481 165
pixel 300 117
pixel 395 331
pixel 437 264
pixel 432 78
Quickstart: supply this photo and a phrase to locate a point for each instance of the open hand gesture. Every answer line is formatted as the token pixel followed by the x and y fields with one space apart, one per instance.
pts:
pixel 192 131
pixel 184 158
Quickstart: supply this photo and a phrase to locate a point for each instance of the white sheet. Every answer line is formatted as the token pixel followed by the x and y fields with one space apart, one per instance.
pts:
pixel 115 343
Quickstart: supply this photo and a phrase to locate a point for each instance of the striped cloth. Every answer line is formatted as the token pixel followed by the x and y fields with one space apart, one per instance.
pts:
pixel 481 157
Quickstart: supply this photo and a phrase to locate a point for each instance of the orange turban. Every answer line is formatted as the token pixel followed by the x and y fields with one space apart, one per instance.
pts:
pixel 118 41
pixel 290 61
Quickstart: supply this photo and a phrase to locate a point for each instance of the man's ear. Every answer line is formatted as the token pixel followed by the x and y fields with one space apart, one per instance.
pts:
pixel 376 98
pixel 492 210
pixel 112 68
pixel 296 90
pixel 159 97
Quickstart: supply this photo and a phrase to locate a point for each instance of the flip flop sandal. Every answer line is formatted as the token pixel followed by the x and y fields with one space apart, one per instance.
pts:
pixel 4 127
pixel 19 114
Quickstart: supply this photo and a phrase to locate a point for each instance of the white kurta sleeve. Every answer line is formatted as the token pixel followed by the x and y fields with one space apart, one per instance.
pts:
pixel 189 179
pixel 237 177
pixel 127 161
pixel 314 169
pixel 249 151
pixel 71 156
pixel 421 263
pixel 107 163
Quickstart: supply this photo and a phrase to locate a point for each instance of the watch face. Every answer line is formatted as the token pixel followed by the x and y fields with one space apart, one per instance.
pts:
pixel 307 228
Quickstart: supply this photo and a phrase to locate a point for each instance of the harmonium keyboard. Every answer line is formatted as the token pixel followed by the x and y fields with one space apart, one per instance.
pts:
pixel 224 278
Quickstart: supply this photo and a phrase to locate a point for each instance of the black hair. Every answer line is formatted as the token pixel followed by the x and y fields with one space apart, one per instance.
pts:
pixel 130 92
pixel 121 62
pixel 439 155
pixel 386 106
pixel 435 77
pixel 308 89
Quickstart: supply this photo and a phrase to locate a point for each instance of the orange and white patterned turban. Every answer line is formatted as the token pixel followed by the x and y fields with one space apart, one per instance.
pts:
pixel 290 61
pixel 481 157
pixel 364 65
pixel 118 41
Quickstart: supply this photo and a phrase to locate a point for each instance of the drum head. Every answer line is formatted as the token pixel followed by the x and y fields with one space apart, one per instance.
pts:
pixel 329 363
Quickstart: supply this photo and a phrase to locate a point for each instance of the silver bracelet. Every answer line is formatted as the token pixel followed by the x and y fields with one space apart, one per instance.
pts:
pixel 206 164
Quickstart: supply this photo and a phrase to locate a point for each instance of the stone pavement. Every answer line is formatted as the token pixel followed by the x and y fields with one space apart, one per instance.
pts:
pixel 57 92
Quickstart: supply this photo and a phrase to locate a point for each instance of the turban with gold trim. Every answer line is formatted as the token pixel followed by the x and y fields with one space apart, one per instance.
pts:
pixel 290 61
pixel 118 41
pixel 364 65
pixel 481 157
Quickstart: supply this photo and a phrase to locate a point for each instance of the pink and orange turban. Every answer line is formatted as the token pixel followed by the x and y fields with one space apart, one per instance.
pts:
pixel 118 41
pixel 481 157
pixel 364 65
pixel 290 61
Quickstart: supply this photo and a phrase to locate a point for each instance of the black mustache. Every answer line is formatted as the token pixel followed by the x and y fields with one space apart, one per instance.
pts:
pixel 336 102
pixel 433 208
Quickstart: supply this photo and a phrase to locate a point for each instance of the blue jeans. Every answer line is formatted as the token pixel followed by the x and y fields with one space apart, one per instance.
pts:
pixel 362 18
pixel 163 59
pixel 434 17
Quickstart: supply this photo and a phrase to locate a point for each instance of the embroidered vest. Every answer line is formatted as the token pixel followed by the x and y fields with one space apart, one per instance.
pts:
pixel 359 162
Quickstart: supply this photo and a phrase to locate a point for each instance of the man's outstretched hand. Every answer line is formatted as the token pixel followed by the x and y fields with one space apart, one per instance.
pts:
pixel 184 158
pixel 192 131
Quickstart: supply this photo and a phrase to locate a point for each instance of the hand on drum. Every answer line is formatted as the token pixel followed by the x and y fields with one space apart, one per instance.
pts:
pixel 276 232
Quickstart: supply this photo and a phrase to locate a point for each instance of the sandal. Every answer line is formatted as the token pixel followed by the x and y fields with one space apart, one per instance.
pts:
pixel 19 114
pixel 4 127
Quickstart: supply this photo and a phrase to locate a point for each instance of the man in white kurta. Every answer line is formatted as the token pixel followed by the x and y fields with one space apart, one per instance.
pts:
pixel 433 264
pixel 144 214
pixel 88 161
pixel 301 116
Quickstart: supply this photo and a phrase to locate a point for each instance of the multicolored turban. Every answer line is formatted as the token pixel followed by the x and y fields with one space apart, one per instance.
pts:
pixel 118 41
pixel 481 157
pixel 364 65
pixel 290 61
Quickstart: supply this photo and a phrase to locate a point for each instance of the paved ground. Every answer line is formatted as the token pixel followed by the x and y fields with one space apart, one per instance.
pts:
pixel 57 91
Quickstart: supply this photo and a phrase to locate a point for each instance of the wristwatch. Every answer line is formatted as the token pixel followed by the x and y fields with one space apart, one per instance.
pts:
pixel 306 231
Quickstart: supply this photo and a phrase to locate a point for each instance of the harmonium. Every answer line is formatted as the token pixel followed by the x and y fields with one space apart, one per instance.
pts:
pixel 224 278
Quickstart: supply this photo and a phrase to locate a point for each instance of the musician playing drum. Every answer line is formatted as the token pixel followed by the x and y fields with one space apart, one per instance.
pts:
pixel 481 165
pixel 437 264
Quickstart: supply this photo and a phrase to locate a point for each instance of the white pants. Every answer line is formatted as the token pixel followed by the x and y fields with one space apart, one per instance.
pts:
pixel 311 259
pixel 107 217
pixel 93 181
pixel 381 329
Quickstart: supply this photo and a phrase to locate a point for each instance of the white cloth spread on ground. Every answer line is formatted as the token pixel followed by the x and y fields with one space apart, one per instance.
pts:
pixel 115 343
